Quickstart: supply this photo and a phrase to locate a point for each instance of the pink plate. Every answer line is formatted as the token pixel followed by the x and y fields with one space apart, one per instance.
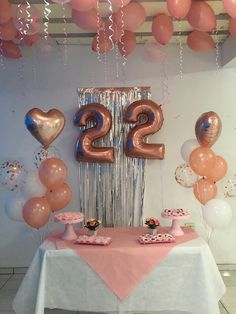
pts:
pixel 158 238
pixel 93 240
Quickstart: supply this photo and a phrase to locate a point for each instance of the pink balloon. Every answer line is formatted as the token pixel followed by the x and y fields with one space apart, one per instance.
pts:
pixel 52 173
pixel 230 7
pixel 101 43
pixel 232 27
pixel 83 5
pixel 127 43
pixel 178 8
pixel 5 11
pixel 201 16
pixel 87 20
pixel 36 212
pixel 60 197
pixel 200 41
pixel 162 28
pixel 11 50
pixel 131 16
pixel 112 30
pixel 8 31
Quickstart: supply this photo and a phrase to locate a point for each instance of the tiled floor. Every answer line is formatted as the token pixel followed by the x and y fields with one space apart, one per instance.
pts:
pixel 9 284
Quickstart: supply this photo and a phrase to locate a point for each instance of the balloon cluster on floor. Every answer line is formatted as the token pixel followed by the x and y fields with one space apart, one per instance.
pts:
pixel 42 191
pixel 203 169
pixel 118 28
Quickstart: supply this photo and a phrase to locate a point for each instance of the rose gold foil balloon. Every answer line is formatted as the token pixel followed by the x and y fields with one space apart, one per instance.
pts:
pixel 85 150
pixel 135 145
pixel 52 173
pixel 201 160
pixel 59 198
pixel 218 171
pixel 45 126
pixel 208 128
pixel 204 190
pixel 36 212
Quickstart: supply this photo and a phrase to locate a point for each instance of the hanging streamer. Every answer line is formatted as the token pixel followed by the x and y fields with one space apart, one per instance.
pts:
pixel 164 79
pixel 113 193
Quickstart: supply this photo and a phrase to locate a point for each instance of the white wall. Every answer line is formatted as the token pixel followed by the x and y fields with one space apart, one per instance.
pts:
pixel 46 83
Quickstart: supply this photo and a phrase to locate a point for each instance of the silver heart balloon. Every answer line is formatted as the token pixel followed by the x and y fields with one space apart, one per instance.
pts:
pixel 45 126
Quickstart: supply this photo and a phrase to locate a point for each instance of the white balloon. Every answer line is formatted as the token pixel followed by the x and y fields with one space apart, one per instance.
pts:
pixel 14 207
pixel 188 147
pixel 33 186
pixel 217 213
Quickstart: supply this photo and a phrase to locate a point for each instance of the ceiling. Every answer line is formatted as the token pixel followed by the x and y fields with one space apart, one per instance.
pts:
pixel 76 35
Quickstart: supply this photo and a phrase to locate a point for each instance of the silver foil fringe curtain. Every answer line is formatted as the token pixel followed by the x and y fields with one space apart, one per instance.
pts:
pixel 113 192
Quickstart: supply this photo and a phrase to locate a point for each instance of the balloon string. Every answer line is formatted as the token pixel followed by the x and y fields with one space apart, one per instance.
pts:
pixel 164 79
pixel 111 24
pixel 1 53
pixel 46 12
pixel 98 34
pixel 122 34
pixel 65 40
pixel 117 61
pixel 180 50
pixel 217 51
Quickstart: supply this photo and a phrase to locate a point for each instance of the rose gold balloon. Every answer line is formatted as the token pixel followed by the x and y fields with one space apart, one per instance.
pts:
pixel 45 126
pixel 52 173
pixel 36 212
pixel 218 171
pixel 127 43
pixel 59 198
pixel 10 49
pixel 201 16
pixel 162 28
pixel 200 41
pixel 204 190
pixel 135 145
pixel 8 31
pixel 5 11
pixel 208 128
pixel 201 160
pixel 232 27
pixel 85 150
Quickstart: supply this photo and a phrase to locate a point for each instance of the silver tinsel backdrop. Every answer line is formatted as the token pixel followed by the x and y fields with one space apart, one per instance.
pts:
pixel 113 192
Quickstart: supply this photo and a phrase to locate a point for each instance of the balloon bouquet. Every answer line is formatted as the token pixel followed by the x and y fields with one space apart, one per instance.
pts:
pixel 45 190
pixel 203 169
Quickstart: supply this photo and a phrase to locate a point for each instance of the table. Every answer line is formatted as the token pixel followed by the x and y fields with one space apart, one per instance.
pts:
pixel 186 281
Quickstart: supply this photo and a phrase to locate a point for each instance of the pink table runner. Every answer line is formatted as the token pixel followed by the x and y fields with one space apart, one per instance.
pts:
pixel 123 263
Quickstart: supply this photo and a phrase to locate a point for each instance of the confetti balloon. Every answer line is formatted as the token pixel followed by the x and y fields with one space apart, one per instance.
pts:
pixel 230 187
pixel 40 154
pixel 12 174
pixel 185 176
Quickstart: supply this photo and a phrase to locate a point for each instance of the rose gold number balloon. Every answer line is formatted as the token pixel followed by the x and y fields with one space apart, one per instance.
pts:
pixel 135 146
pixel 208 128
pixel 85 150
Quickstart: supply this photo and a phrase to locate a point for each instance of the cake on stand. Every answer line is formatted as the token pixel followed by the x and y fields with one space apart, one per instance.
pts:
pixel 176 215
pixel 68 219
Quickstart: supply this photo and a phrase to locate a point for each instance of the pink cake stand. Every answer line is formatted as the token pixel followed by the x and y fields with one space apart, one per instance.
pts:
pixel 69 218
pixel 175 228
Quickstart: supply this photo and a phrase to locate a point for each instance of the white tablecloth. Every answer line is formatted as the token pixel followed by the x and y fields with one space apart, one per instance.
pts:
pixel 186 281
